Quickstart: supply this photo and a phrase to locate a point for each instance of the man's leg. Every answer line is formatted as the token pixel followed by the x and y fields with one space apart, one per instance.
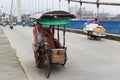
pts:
pixel 36 57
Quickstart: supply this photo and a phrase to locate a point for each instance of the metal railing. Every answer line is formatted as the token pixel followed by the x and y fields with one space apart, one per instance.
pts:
pixel 111 26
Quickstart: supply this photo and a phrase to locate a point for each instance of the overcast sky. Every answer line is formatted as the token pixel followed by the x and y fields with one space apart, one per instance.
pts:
pixel 35 5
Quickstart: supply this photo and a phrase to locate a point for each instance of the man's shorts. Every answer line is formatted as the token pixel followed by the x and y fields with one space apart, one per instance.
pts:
pixel 35 47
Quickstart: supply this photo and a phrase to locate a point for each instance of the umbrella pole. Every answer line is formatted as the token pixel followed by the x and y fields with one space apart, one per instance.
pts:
pixel 64 36
pixel 58 33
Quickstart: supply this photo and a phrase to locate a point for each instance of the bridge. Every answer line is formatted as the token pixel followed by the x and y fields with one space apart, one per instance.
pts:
pixel 97 2
pixel 110 25
pixel 87 59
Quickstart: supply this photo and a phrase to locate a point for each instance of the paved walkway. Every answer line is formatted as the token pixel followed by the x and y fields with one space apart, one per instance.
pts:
pixel 10 68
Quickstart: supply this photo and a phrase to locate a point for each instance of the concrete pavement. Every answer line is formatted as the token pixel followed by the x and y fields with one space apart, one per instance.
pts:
pixel 10 66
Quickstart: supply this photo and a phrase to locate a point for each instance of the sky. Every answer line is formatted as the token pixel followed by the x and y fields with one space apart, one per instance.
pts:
pixel 30 6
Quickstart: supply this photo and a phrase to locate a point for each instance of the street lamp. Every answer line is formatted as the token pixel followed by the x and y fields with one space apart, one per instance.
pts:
pixel 97 1
pixel 68 5
pixel 11 26
pixel 80 9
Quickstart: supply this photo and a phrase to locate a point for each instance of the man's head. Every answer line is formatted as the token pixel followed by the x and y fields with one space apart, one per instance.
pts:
pixel 39 26
pixel 96 19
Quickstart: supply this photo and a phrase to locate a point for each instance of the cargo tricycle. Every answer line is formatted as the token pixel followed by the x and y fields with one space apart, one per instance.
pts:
pixel 94 31
pixel 53 52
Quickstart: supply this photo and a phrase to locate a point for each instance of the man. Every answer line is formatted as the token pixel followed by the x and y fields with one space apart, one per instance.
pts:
pixel 95 21
pixel 38 40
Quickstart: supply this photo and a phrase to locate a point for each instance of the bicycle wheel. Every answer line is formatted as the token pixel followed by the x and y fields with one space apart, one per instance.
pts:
pixel 47 65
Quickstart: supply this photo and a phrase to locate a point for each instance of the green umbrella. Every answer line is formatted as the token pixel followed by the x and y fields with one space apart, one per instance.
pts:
pixel 54 21
pixel 56 18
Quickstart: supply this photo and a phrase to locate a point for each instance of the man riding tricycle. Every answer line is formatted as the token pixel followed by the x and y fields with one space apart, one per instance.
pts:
pixel 47 49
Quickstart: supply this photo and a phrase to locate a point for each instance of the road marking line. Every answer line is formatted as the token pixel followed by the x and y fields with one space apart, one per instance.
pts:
pixel 24 68
pixel 106 57
pixel 98 54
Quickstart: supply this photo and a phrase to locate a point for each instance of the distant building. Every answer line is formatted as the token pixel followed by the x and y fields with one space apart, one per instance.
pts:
pixel 73 9
pixel 6 18
pixel 104 16
pixel 118 15
pixel 85 14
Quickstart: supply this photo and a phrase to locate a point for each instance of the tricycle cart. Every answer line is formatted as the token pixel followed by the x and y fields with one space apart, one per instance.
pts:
pixel 52 52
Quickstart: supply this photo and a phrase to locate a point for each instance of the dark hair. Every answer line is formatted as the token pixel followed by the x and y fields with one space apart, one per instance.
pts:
pixel 38 21
pixel 96 19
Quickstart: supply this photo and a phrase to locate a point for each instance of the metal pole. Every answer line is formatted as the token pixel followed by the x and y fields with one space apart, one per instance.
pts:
pixel 68 5
pixel 42 6
pixel 64 37
pixel 18 11
pixel 35 6
pixel 59 4
pixel 47 5
pixel 25 7
pixel 31 7
pixel 38 6
pixel 11 12
pixel 97 11
pixel 97 8
pixel 58 33
pixel 80 9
